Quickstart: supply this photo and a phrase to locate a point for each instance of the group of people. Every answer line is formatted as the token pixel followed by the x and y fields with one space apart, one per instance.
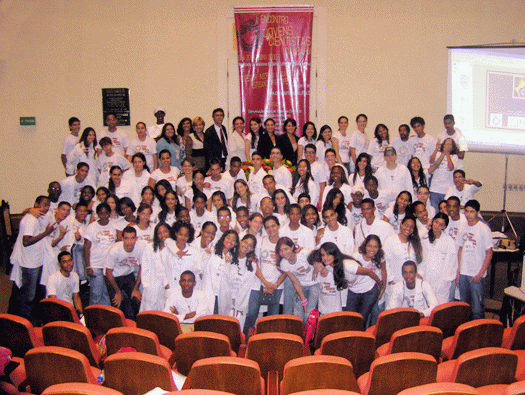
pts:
pixel 169 221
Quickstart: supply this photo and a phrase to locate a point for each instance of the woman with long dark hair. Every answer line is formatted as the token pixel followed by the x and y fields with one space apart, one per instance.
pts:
pixel 303 182
pixel 184 132
pixel 363 170
pixel 169 140
pixel 377 146
pixel 288 142
pixel 309 137
pixel 418 174
pixel 238 280
pixel 394 215
pixel 440 259
pixel 84 151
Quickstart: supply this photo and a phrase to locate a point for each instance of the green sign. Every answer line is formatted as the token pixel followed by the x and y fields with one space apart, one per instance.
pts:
pixel 25 121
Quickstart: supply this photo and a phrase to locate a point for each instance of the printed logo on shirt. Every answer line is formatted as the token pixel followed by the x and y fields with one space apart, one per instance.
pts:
pixel 104 236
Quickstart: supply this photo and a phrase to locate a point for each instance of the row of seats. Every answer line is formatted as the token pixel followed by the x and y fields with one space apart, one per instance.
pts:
pixel 489 371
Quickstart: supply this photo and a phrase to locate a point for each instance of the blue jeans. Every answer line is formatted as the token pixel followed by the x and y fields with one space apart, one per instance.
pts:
pixel 362 303
pixel 30 282
pixel 254 304
pixel 311 293
pixel 288 297
pixel 78 261
pixel 472 293
pixel 435 198
pixel 376 310
pixel 98 292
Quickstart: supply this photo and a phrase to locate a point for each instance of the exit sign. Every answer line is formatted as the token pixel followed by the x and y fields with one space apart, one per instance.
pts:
pixel 25 121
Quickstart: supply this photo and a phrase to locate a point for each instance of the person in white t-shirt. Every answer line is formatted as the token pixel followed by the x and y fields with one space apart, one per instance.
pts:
pixel 303 182
pixel 64 283
pixel 187 303
pixel 200 215
pixel 69 144
pixel 299 234
pixel 294 263
pixel 454 133
pixel 423 195
pixel 383 198
pixel 377 146
pixel 72 185
pixel 145 145
pixel 402 145
pixel 443 161
pixel 420 212
pixel 309 137
pixel 155 130
pixel 463 188
pixel 393 176
pixel 119 139
pixel 335 232
pixel 440 259
pixel 358 140
pixel 218 181
pixel 423 144
pixel 255 181
pixel 412 292
pixel 138 177
pixel 475 253
pixel 371 224
pixel 121 261
pixel 99 238
pixel 396 213
pixel 107 160
pixel 456 218
pixel 316 168
pixel 341 143
pixel 238 280
pixel 280 172
pixel 360 273
pixel 165 171
pixel 330 292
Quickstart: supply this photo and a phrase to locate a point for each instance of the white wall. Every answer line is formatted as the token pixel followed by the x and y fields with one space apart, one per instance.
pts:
pixel 385 58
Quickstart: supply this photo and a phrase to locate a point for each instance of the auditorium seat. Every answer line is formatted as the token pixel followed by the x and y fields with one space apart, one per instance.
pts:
pixel 471 336
pixel 482 367
pixel 356 346
pixel 193 346
pixel 73 336
pixel 236 375
pixel 393 373
pixel 100 319
pixel 440 389
pixel 514 337
pixel 79 389
pixel 272 351
pixel 340 321
pixel 391 321
pixel 165 325
pixel 135 373
pixel 225 325
pixel 282 323
pixel 141 340
pixel 423 339
pixel 515 389
pixel 17 334
pixel 50 310
pixel 448 316
pixel 318 372
pixel 46 366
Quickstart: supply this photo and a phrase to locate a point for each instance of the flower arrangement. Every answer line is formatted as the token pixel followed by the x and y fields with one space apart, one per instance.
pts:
pixel 267 166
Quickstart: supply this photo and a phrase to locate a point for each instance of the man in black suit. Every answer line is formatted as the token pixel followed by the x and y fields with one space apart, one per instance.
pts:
pixel 216 139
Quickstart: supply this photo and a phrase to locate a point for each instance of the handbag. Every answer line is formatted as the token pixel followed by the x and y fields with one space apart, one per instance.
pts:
pixel 268 299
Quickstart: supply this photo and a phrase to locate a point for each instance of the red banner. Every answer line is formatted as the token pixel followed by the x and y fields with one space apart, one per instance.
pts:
pixel 274 47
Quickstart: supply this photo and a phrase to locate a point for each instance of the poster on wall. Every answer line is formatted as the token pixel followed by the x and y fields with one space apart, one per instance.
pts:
pixel 274 53
pixel 116 101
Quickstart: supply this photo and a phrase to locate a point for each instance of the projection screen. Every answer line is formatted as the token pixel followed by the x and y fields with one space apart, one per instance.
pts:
pixel 486 95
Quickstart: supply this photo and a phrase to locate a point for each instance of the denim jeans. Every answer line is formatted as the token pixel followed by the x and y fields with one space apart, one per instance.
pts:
pixel 311 293
pixel 362 303
pixel 129 306
pixel 471 292
pixel 435 198
pixel 253 309
pixel 98 292
pixel 288 296
pixel 78 261
pixel 376 310
pixel 30 282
